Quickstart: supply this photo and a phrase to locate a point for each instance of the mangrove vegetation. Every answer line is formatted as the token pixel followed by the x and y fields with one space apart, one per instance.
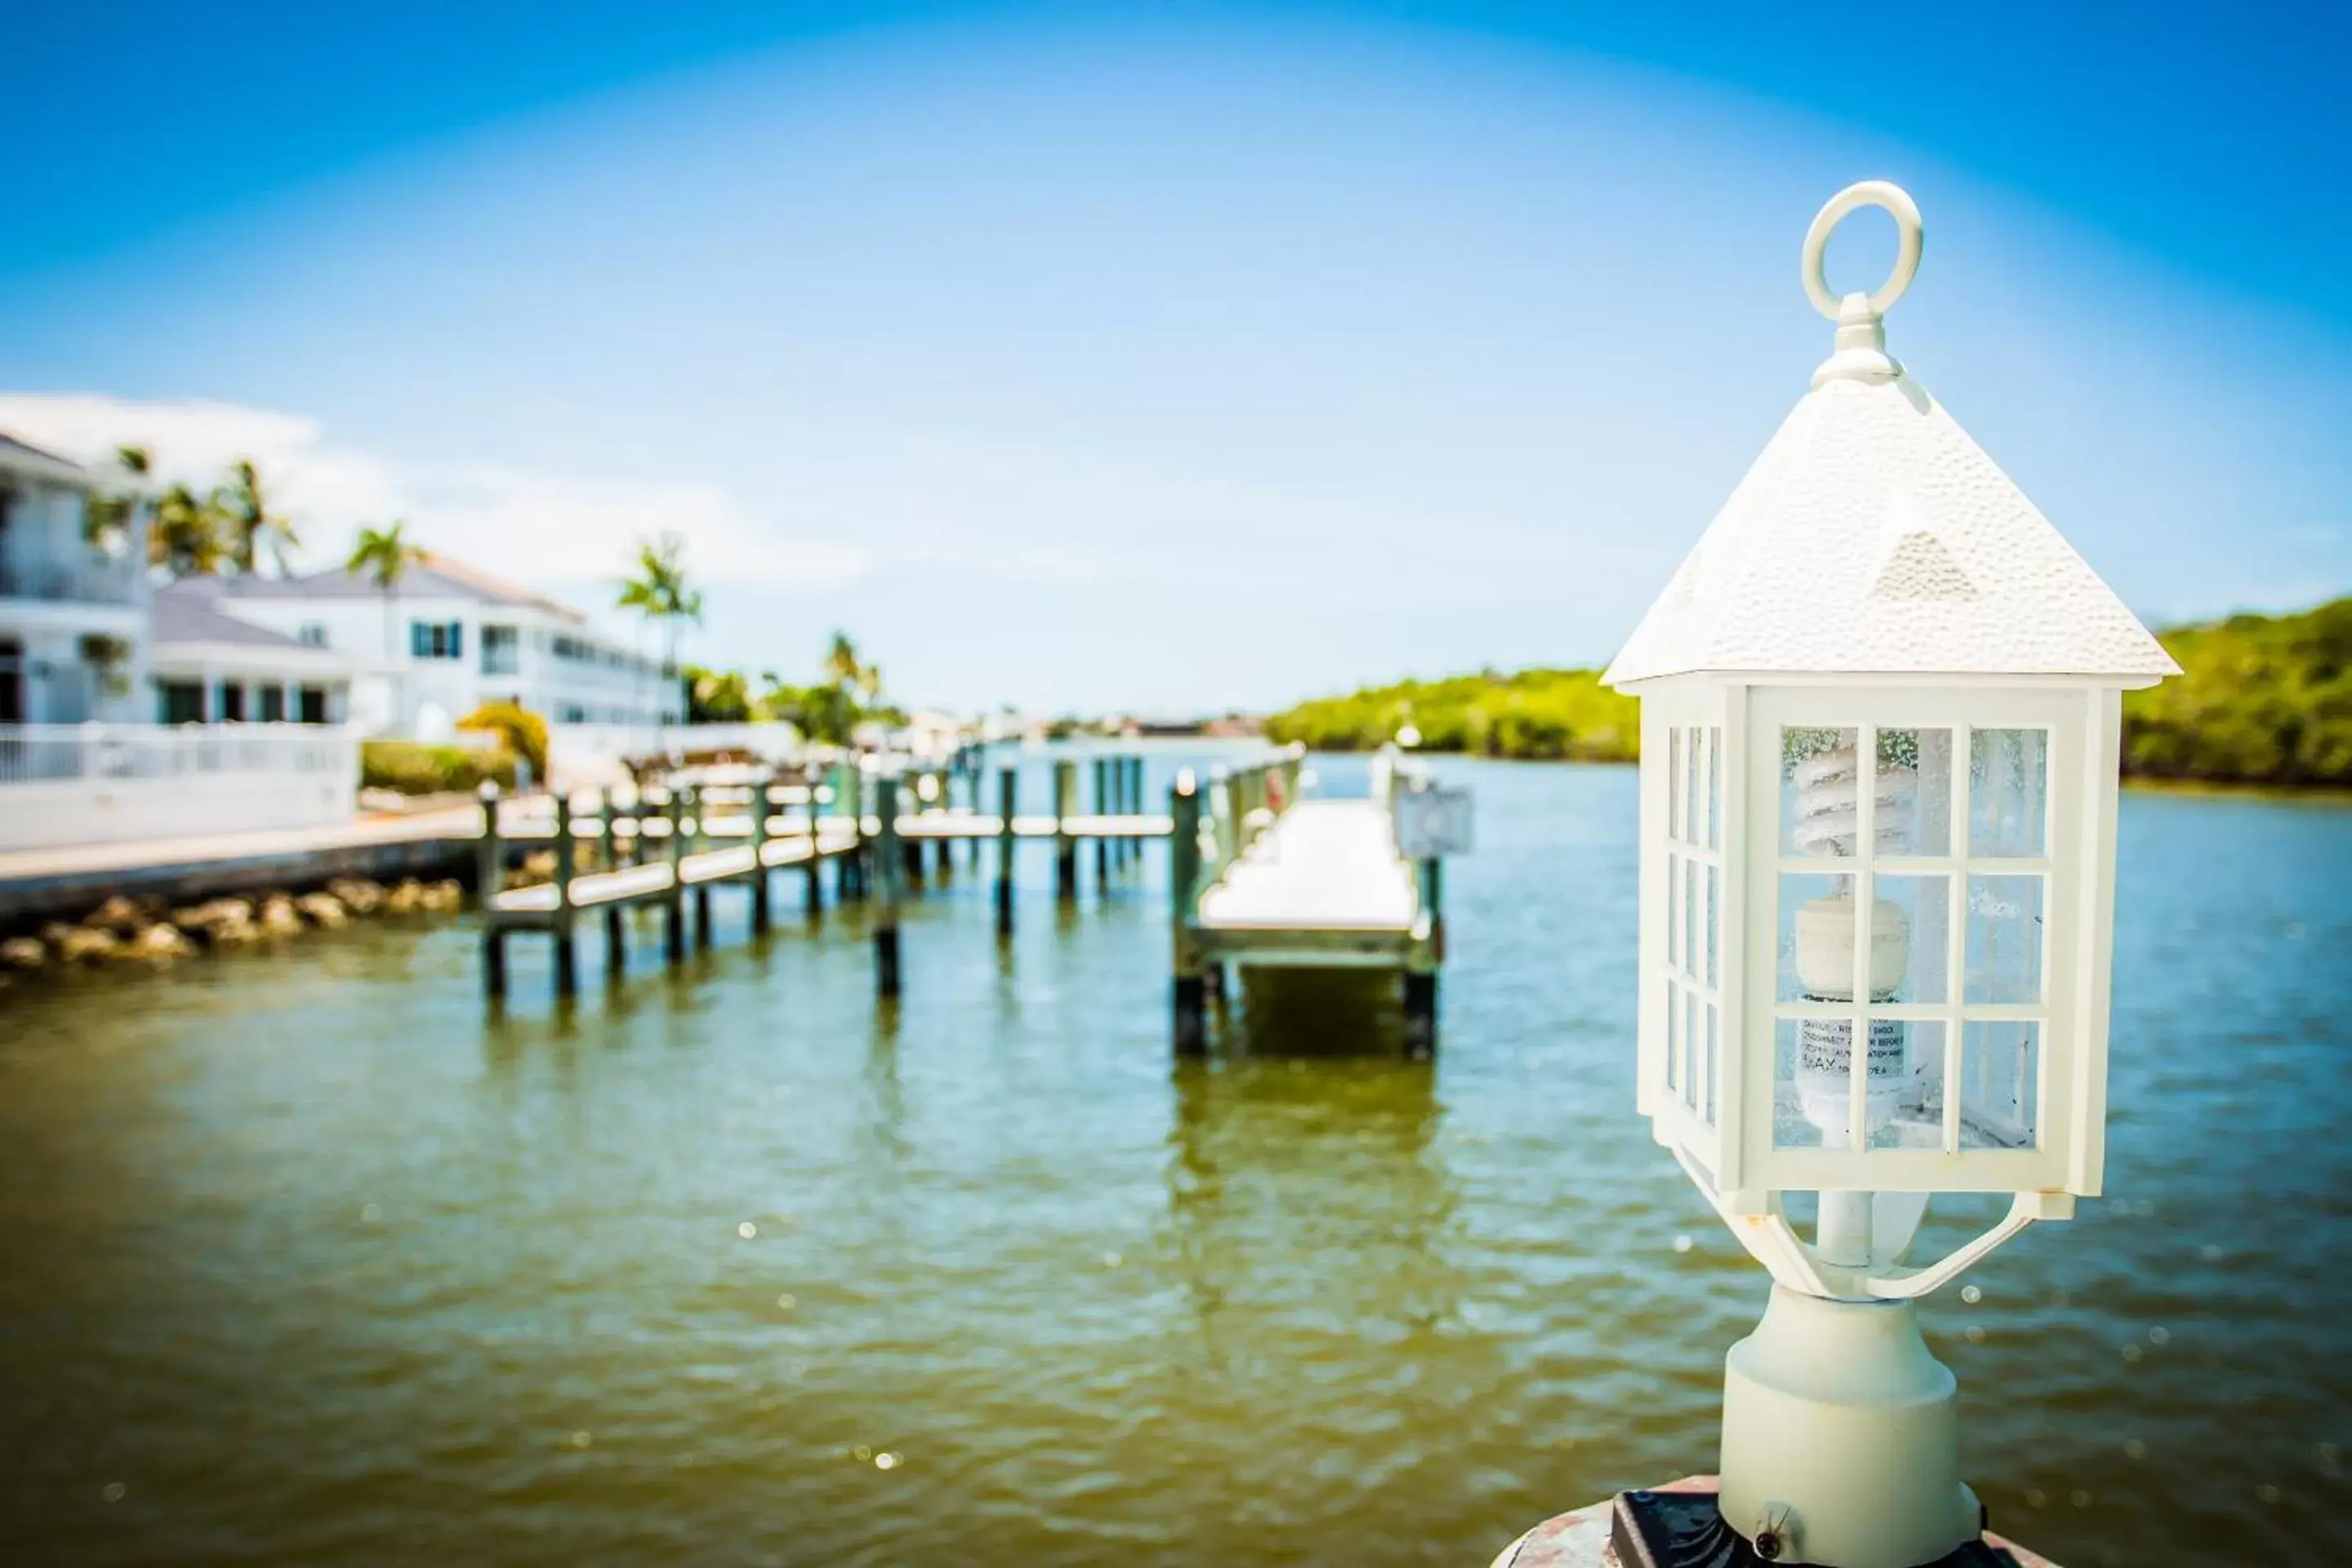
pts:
pixel 2261 700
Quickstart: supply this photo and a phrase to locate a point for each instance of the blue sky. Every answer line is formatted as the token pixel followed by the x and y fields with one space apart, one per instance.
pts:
pixel 1175 357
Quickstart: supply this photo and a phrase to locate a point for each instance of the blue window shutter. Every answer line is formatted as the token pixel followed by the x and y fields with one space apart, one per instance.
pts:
pixel 420 640
pixel 457 639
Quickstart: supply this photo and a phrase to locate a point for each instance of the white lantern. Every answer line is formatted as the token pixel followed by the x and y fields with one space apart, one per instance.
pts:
pixel 1880 713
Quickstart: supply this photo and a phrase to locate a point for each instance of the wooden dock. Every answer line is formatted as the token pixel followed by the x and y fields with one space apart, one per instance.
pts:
pixel 668 845
pixel 1257 876
pixel 1264 878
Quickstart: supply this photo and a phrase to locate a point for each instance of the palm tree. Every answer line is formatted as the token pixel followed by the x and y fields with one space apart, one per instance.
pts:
pixel 660 591
pixel 251 519
pixel 841 663
pixel 185 539
pixel 386 554
pixel 109 516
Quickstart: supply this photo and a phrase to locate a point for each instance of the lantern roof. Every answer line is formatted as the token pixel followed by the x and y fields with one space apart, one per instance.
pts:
pixel 1873 535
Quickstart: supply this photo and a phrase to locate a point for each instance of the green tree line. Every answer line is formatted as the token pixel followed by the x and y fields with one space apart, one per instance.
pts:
pixel 847 694
pixel 2261 700
pixel 1550 714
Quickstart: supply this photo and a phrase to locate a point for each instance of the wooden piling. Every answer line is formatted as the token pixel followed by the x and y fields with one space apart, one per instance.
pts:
pixel 490 877
pixel 1187 996
pixel 1008 800
pixel 567 957
pixel 608 849
pixel 979 803
pixel 1420 1014
pixel 1066 849
pixel 697 840
pixel 1102 771
pixel 1421 976
pixel 674 905
pixel 1135 804
pixel 891 867
pixel 853 882
pixel 760 911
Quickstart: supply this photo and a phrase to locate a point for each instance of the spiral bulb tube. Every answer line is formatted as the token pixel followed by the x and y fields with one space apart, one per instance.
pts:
pixel 1829 822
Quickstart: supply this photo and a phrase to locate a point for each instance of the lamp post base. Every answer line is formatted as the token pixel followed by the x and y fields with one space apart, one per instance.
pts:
pixel 1841 1439
pixel 1685 1529
pixel 1584 1539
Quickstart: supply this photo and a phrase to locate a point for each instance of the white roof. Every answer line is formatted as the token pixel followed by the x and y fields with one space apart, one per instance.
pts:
pixel 1873 535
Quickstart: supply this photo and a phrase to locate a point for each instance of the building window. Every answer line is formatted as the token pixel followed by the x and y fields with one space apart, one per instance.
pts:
pixel 273 705
pixel 314 705
pixel 232 702
pixel 311 633
pixel 501 651
pixel 184 701
pixel 574 714
pixel 436 639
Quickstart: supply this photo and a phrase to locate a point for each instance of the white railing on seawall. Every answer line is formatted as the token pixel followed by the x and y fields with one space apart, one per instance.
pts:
pixel 59 754
pixel 89 783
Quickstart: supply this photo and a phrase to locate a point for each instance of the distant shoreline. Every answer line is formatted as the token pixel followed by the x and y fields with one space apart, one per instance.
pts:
pixel 2262 704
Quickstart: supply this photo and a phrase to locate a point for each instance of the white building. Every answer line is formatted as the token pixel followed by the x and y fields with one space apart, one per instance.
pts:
pixel 73 614
pixel 212 668
pixel 448 639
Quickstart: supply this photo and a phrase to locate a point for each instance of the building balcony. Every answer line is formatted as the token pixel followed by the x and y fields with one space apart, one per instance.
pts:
pixel 93 582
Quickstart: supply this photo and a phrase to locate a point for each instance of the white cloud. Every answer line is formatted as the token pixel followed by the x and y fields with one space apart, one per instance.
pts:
pixel 557 531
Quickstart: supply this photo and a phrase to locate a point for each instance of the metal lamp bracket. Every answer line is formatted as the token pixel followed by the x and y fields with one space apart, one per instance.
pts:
pixel 1772 1241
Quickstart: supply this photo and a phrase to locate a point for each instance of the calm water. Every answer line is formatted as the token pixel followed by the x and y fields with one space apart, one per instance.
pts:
pixel 306 1262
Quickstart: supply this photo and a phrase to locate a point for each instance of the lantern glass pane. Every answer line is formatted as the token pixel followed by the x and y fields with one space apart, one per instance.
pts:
pixel 1715 788
pixel 1694 830
pixel 1690 916
pixel 2008 793
pixel 1714 1062
pixel 1812 1082
pixel 1690 1049
pixel 1814 934
pixel 1818 786
pixel 1675 781
pixel 1674 1036
pixel 2000 1084
pixel 1674 910
pixel 2004 940
pixel 1914 815
pixel 1910 944
pixel 1711 920
pixel 1907 1084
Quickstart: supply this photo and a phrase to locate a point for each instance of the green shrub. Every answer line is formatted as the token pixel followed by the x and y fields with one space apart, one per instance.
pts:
pixel 413 768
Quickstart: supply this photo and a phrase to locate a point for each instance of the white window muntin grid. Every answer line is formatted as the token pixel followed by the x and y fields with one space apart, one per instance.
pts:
pixel 1669 716
pixel 1867 710
pixel 1696 889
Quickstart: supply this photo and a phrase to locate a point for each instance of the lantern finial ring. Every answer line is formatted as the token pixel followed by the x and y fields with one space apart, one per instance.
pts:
pixel 1909 236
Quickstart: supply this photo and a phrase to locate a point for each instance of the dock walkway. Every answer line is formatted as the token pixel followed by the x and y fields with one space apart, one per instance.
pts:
pixel 1324 869
pixel 1264 878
